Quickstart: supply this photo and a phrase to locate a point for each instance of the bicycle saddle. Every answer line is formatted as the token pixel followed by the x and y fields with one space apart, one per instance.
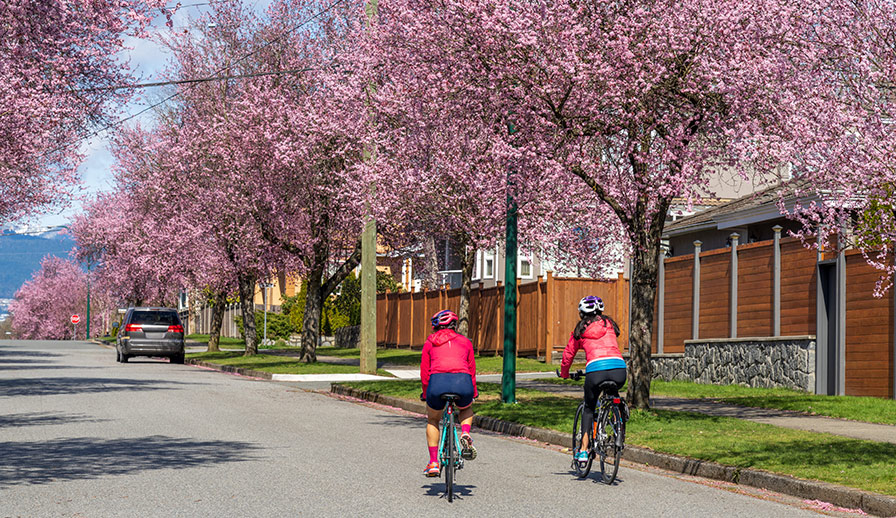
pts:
pixel 608 386
pixel 450 397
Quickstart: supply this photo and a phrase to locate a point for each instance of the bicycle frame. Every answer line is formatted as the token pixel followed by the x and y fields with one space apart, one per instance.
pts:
pixel 444 434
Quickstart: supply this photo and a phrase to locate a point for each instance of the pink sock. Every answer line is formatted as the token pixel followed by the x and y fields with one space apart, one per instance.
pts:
pixel 433 453
pixel 465 428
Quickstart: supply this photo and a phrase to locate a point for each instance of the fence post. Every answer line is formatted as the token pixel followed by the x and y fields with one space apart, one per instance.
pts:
pixel 411 327
pixel 776 283
pixel 732 299
pixel 841 315
pixel 620 300
pixel 661 302
pixel 426 308
pixel 549 318
pixel 516 348
pixel 539 317
pixel 695 323
pixel 499 323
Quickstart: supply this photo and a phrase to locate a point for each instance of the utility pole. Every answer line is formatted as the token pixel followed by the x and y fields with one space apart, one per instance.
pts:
pixel 368 263
pixel 88 302
pixel 264 302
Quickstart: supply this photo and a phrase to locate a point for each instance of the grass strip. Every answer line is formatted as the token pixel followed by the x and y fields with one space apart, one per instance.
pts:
pixel 222 341
pixel 854 463
pixel 866 409
pixel 275 364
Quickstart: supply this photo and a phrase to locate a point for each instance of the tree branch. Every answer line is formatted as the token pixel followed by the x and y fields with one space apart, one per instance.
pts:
pixel 342 272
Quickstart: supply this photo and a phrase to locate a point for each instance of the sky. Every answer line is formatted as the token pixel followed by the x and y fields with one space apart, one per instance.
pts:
pixel 147 61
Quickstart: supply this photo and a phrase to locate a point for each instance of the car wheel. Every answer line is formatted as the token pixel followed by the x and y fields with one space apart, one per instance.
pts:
pixel 124 358
pixel 117 355
pixel 178 358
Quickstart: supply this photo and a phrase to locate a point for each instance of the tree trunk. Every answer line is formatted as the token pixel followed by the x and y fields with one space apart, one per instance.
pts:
pixel 247 308
pixel 431 264
pixel 214 334
pixel 645 255
pixel 317 292
pixel 463 312
pixel 311 318
pixel 643 286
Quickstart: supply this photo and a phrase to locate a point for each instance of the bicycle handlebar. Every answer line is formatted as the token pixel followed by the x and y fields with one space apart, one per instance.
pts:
pixel 577 375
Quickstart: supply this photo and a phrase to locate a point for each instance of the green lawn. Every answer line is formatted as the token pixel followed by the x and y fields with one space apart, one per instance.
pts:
pixel 861 464
pixel 223 341
pixel 484 364
pixel 274 364
pixel 867 409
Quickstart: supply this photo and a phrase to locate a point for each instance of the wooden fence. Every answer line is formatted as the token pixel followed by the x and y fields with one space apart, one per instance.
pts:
pixel 547 309
pixel 546 314
pixel 869 347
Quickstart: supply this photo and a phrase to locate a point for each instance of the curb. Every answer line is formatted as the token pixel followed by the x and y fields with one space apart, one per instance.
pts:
pixel 228 368
pixel 871 503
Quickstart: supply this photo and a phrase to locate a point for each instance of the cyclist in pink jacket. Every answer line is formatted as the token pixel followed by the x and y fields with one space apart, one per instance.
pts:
pixel 596 333
pixel 447 366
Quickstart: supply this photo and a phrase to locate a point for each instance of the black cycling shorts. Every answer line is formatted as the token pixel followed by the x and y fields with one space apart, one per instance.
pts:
pixel 459 383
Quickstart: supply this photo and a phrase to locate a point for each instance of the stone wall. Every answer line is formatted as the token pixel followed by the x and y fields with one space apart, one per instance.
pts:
pixel 348 337
pixel 755 362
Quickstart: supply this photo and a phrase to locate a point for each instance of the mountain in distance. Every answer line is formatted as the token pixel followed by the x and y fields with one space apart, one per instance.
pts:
pixel 22 251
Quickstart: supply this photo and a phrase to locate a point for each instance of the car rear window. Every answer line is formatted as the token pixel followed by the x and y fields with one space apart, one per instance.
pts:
pixel 155 318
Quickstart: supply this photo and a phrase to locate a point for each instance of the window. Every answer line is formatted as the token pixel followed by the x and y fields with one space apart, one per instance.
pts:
pixel 477 269
pixel 488 265
pixel 525 267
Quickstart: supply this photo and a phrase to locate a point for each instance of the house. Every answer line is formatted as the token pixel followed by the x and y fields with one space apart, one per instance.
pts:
pixel 752 216
pixel 739 301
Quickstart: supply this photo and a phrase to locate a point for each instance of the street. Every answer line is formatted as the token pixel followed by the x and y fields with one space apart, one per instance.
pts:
pixel 81 435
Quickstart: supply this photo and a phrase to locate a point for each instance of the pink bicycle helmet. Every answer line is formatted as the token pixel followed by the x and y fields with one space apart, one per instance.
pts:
pixel 444 318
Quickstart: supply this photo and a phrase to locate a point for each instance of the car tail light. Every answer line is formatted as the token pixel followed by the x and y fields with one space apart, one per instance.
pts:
pixel 175 329
pixel 133 327
pixel 615 400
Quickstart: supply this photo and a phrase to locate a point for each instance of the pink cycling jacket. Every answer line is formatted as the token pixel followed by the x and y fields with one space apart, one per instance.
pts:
pixel 599 342
pixel 447 351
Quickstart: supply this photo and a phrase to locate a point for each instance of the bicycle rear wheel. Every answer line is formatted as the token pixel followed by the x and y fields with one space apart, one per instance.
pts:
pixel 450 461
pixel 611 449
pixel 581 468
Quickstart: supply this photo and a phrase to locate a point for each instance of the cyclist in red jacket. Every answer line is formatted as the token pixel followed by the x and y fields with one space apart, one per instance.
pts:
pixel 447 366
pixel 596 333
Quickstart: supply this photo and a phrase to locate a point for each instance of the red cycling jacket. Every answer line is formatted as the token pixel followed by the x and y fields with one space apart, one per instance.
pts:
pixel 599 342
pixel 447 351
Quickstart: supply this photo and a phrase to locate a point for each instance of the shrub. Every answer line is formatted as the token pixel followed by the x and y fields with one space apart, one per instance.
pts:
pixel 279 325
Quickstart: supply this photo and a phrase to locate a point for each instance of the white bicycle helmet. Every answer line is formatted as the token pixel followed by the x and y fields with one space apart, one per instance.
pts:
pixel 591 304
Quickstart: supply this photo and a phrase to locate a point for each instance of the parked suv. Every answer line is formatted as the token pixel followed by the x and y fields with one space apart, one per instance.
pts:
pixel 151 332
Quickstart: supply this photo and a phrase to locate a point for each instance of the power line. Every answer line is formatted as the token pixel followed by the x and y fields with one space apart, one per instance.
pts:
pixel 195 82
pixel 191 81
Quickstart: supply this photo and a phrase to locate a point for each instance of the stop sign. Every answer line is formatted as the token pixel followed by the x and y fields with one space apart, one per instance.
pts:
pixel 75 319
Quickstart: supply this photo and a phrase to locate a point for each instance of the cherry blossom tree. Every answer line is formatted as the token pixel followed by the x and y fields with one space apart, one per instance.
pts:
pixel 266 162
pixel 57 66
pixel 640 102
pixel 144 249
pixel 852 182
pixel 43 305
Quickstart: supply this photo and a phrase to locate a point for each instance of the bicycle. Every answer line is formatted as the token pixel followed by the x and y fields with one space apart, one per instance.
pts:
pixel 450 458
pixel 608 429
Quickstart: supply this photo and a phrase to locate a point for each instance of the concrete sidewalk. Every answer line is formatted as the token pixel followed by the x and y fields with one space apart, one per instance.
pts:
pixel 794 420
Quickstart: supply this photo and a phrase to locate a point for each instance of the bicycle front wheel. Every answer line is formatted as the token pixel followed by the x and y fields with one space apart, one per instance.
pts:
pixel 450 461
pixel 578 431
pixel 611 449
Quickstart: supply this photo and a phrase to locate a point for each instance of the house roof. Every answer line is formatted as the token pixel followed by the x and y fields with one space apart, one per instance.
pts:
pixel 752 208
